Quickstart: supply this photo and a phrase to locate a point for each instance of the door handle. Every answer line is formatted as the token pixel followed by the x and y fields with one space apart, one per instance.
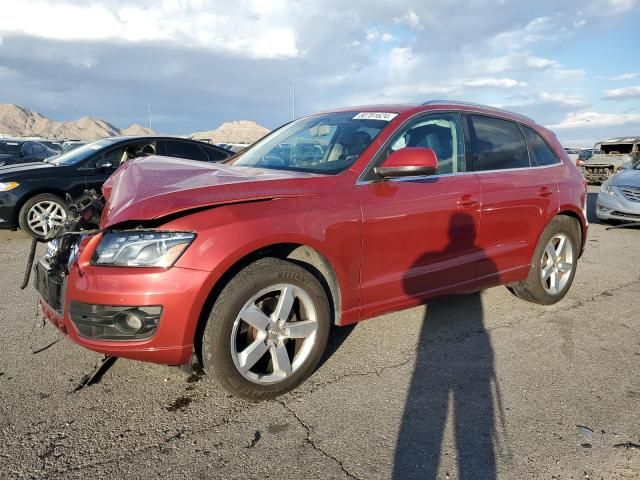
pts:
pixel 467 201
pixel 545 192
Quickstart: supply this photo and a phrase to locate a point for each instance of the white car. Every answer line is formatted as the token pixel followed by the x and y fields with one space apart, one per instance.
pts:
pixel 619 197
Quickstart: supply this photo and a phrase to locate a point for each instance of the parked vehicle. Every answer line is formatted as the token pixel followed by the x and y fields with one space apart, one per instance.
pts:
pixel 619 197
pixel 16 151
pixel 610 157
pixel 69 145
pixel 584 155
pixel 55 145
pixel 32 195
pixel 250 261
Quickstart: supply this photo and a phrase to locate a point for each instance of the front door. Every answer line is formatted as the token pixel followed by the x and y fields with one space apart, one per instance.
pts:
pixel 419 233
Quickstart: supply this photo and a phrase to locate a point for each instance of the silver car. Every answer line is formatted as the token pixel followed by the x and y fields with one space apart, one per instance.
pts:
pixel 619 197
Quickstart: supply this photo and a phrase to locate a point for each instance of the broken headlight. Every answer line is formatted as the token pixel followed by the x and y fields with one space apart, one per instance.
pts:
pixel 142 248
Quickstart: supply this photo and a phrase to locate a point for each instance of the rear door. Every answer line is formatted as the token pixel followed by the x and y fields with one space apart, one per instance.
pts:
pixel 519 197
pixel 419 233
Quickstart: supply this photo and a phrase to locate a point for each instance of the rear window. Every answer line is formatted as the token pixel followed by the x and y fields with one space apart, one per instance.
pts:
pixel 9 147
pixel 184 150
pixel 497 144
pixel 617 148
pixel 541 154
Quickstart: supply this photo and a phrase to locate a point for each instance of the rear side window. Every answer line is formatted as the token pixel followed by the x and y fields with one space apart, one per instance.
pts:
pixel 184 150
pixel 497 144
pixel 215 155
pixel 541 153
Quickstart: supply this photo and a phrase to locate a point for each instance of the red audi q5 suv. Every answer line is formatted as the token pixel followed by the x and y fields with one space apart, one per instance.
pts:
pixel 331 219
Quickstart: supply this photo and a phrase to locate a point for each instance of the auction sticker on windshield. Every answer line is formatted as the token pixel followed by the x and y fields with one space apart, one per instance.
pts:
pixel 387 117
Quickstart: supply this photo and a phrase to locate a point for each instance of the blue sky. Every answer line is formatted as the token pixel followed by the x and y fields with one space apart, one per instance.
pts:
pixel 571 65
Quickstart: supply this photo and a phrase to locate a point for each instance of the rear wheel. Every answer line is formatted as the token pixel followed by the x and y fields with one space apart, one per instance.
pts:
pixel 554 263
pixel 42 214
pixel 267 330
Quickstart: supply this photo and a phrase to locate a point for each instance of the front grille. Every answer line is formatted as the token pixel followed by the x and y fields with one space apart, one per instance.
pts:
pixel 631 193
pixel 599 170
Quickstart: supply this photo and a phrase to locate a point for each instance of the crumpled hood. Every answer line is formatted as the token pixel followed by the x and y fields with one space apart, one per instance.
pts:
pixel 628 178
pixel 154 187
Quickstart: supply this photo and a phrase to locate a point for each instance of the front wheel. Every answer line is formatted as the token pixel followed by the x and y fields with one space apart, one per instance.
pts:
pixel 42 214
pixel 267 330
pixel 554 263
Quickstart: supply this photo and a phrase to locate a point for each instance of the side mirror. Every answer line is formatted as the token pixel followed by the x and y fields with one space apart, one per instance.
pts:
pixel 409 162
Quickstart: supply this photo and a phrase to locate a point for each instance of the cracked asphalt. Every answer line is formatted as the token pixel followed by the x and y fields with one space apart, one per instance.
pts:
pixel 470 386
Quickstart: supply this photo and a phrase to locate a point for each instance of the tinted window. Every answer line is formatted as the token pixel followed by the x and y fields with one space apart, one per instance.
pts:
pixel 38 148
pixel 9 147
pixel 215 155
pixel 497 144
pixel 26 149
pixel 184 150
pixel 440 132
pixel 541 153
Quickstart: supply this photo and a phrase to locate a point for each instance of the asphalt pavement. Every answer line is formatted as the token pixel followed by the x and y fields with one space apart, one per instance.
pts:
pixel 470 386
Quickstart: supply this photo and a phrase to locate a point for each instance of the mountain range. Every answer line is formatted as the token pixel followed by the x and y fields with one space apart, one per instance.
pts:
pixel 22 122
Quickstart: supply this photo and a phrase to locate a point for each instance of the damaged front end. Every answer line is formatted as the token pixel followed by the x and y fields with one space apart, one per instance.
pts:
pixel 62 248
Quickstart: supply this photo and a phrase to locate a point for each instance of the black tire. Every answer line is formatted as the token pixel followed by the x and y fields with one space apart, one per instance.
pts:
pixel 532 289
pixel 24 211
pixel 217 358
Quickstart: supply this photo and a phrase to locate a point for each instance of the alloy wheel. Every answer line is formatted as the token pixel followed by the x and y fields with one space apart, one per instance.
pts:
pixel 44 216
pixel 556 264
pixel 274 334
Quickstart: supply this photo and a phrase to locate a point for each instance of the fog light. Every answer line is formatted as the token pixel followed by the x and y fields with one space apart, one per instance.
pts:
pixel 131 321
pixel 107 322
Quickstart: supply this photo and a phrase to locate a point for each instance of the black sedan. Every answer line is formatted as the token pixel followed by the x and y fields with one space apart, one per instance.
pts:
pixel 22 151
pixel 32 195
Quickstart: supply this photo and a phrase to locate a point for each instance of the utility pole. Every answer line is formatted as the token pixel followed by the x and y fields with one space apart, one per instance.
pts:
pixel 293 101
pixel 149 116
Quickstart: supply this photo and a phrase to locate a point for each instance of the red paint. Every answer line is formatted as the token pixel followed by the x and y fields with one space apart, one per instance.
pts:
pixel 392 244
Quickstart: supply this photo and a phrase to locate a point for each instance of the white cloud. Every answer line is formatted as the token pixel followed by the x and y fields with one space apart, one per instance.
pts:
pixel 256 32
pixel 627 93
pixel 625 76
pixel 412 19
pixel 595 120
pixel 518 61
pixel 494 83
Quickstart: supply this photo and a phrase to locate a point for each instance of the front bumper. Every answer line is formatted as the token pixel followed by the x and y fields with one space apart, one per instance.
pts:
pixel 180 292
pixel 9 209
pixel 619 207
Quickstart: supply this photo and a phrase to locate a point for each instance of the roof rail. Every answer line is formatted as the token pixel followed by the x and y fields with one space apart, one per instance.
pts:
pixel 471 104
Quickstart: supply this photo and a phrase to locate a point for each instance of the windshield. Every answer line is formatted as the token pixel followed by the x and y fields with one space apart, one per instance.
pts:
pixel 326 144
pixel 9 147
pixel 82 153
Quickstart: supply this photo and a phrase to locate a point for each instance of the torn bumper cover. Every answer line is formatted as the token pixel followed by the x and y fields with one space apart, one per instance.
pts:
pixel 90 302
pixel 116 311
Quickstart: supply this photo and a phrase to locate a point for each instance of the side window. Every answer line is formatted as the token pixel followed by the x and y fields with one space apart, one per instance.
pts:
pixel 497 144
pixel 215 155
pixel 26 148
pixel 541 154
pixel 184 150
pixel 37 147
pixel 441 132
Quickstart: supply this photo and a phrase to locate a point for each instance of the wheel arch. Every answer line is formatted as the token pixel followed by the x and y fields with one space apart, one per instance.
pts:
pixel 302 254
pixel 582 231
